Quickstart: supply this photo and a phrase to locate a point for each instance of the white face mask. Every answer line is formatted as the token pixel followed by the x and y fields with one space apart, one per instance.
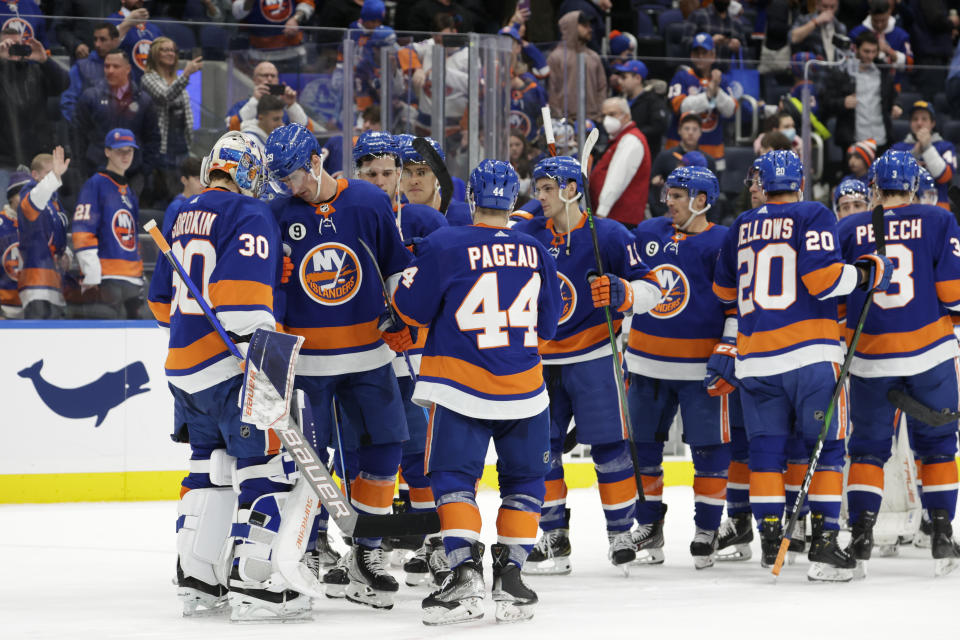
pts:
pixel 790 133
pixel 611 125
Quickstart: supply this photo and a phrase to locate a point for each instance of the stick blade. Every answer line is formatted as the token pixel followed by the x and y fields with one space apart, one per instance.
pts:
pixel 919 411
pixel 588 146
pixel 400 524
pixel 781 556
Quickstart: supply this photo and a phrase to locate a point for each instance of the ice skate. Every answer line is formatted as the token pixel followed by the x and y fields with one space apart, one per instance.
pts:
pixel 771 533
pixel 622 551
pixel 323 556
pixel 252 601
pixel 828 562
pixel 370 584
pixel 736 532
pixel 200 598
pixel 417 568
pixel 648 539
pixel 921 539
pixel 336 579
pixel 515 600
pixel 460 599
pixel 704 548
pixel 437 562
pixel 861 542
pixel 551 554
pixel 945 550
pixel 798 540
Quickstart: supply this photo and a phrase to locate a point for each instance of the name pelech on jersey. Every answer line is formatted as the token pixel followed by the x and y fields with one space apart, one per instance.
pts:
pixel 488 295
pixel 674 340
pixel 582 333
pixel 781 264
pixel 334 298
pixel 229 245
pixel 909 330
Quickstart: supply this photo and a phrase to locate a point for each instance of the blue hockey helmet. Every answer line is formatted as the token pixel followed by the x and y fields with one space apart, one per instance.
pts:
pixel 376 144
pixel 494 185
pixel 289 148
pixel 408 154
pixel 927 192
pixel 780 170
pixel 850 187
pixel 562 169
pixel 695 180
pixel 897 171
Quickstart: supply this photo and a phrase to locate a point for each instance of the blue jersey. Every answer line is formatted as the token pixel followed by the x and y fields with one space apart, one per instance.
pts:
pixel 582 333
pixel 9 259
pixel 106 222
pixel 674 340
pixel 229 245
pixel 267 18
pixel 488 294
pixel 458 214
pixel 334 299
pixel 781 264
pixel 909 331
pixel 136 43
pixel 525 105
pixel 945 167
pixel 687 83
pixel 24 16
pixel 170 214
pixel 43 236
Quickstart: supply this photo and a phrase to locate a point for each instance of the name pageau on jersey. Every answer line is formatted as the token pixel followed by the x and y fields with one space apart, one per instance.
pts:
pixel 772 257
pixel 582 333
pixel 674 340
pixel 334 298
pixel 105 224
pixel 488 295
pixel 910 330
pixel 229 244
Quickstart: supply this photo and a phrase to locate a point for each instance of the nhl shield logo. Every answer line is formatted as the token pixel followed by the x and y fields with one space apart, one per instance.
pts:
pixel 330 273
pixel 569 296
pixel 675 289
pixel 276 10
pixel 125 229
pixel 12 262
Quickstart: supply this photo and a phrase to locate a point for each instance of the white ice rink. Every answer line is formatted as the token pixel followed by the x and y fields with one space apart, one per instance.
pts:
pixel 104 571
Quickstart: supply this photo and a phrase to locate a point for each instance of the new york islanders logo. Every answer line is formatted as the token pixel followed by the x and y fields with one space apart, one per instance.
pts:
pixel 125 229
pixel 520 120
pixel 140 53
pixel 568 294
pixel 276 10
pixel 330 273
pixel 12 262
pixel 675 289
pixel 20 25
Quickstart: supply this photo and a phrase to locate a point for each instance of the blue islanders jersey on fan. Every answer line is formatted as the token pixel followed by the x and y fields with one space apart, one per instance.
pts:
pixel 582 332
pixel 525 105
pixel 25 17
pixel 674 340
pixel 909 331
pixel 229 245
pixel 9 259
pixel 43 234
pixel 686 83
pixel 106 220
pixel 268 18
pixel 948 152
pixel 488 294
pixel 334 298
pixel 136 43
pixel 781 264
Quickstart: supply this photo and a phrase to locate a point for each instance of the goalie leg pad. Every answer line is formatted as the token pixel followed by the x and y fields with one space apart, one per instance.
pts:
pixel 768 459
pixel 617 485
pixel 204 517
pixel 710 484
pixel 650 458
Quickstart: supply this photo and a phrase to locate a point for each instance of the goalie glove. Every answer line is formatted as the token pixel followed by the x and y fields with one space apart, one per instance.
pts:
pixel 875 272
pixel 611 290
pixel 721 379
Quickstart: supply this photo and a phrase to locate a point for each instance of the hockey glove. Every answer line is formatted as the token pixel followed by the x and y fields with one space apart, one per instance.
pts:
pixel 287 270
pixel 721 379
pixel 612 290
pixel 398 336
pixel 412 244
pixel 875 272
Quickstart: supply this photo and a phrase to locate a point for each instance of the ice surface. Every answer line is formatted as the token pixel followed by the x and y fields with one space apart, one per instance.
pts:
pixel 104 571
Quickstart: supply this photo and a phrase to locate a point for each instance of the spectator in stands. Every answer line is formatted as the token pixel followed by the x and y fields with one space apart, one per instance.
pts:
pixel 10 306
pixel 576 32
pixel 26 82
pixel 531 55
pixel 269 42
pixel 174 112
pixel 527 97
pixel 669 159
pixel 136 34
pixel 592 10
pixel 23 17
pixel 116 103
pixel 728 32
pixel 814 32
pixel 42 232
pixel 86 71
pixel 861 96
pixel 620 181
pixel 456 78
pixel 339 14
pixel 421 15
pixel 623 47
pixel 190 183
pixel 269 117
pixel 783 122
pixel 935 24
pixel 702 90
pixel 77 35
pixel 209 10
pixel 860 155
pixel 105 241
pixel 936 155
pixel 797 63
pixel 520 152
pixel 266 81
pixel 894 42
pixel 648 109
pixel 332 151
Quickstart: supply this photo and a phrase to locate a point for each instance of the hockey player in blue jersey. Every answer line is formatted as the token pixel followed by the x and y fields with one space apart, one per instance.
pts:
pixel 336 302
pixel 780 263
pixel 420 186
pixel 487 294
pixel 908 344
pixel 578 362
pixel 851 196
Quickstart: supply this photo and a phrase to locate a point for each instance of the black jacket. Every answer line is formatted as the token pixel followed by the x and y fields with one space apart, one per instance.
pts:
pixel 26 128
pixel 649 112
pixel 839 84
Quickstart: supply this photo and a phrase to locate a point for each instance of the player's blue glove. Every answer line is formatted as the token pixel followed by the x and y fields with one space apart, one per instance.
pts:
pixel 413 244
pixel 610 289
pixel 875 271
pixel 721 379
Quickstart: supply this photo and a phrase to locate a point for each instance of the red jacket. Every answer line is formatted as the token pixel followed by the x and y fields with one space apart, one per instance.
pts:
pixel 629 208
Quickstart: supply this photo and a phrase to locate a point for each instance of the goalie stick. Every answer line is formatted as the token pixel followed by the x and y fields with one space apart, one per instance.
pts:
pixel 348 520
pixel 881 242
pixel 432 158
pixel 919 411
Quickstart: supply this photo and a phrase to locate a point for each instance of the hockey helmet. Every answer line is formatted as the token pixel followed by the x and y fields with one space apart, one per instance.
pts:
pixel 289 148
pixel 375 144
pixel 780 170
pixel 695 180
pixel 562 169
pixel 494 185
pixel 239 157
pixel 897 171
pixel 408 154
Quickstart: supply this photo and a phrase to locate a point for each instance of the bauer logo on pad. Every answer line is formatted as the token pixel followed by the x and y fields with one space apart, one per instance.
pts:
pixel 268 378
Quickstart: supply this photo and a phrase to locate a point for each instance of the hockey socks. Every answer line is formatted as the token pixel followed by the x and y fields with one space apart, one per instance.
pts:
pixel 555 500
pixel 826 488
pixel 618 488
pixel 940 484
pixel 372 490
pixel 650 458
pixel 767 461
pixel 710 484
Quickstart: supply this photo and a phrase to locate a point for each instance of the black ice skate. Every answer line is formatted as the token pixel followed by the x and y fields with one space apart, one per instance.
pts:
pixel 437 562
pixel 515 600
pixel 323 556
pixel 336 579
pixel 551 555
pixel 861 542
pixel 198 597
pixel 370 584
pixel 648 539
pixel 828 562
pixel 252 601
pixel 771 533
pixel 921 539
pixel 798 541
pixel 622 550
pixel 704 547
pixel 736 532
pixel 416 569
pixel 460 599
pixel 945 550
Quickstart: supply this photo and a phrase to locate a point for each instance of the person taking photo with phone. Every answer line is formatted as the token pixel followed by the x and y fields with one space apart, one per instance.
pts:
pixel 266 81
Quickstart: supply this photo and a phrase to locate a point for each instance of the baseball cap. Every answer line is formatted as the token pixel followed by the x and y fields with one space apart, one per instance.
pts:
pixel 923 104
pixel 511 31
pixel 117 138
pixel 694 159
pixel 17 180
pixel 372 10
pixel 689 116
pixel 632 66
pixel 702 41
pixel 621 41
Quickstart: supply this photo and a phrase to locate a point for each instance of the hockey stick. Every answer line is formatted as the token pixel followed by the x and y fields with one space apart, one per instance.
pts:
pixel 919 411
pixel 880 241
pixel 432 158
pixel 548 130
pixel 386 299
pixel 348 520
pixel 617 368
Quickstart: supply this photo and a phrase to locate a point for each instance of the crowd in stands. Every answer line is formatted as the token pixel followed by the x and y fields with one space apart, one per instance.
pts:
pixel 97 120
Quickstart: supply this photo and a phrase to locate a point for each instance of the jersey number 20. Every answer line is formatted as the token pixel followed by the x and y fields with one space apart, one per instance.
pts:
pixel 480 310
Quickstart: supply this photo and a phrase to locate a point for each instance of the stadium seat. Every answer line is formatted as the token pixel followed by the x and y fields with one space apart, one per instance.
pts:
pixel 674 37
pixel 739 160
pixel 906 99
pixel 900 130
pixel 181 34
pixel 950 130
pixel 215 41
pixel 667 18
pixel 644 22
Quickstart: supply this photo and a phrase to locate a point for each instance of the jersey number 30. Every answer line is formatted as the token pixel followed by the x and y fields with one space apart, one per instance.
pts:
pixel 480 311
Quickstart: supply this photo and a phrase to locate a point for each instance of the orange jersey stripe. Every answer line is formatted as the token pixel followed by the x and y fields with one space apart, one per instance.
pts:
pixel 84 239
pixel 517 524
pixel 127 268
pixel 161 311
pixel 580 340
pixel 9 297
pixel 273 442
pixel 459 515
pixel 618 492
pixel 474 377
pixel 652 485
pixel 727 294
pixel 791 334
pixel 240 293
pixel 715 151
pixel 949 290
pixel 939 473
pixel 408 59
pixel 739 472
pixel 766 483
pixel 710 487
pixel 555 490
pixel 38 277
pixel 828 483
pixel 822 279
pixel 701 348
pixel 30 212
pixel 354 335
pixel 906 341
pixel 377 494
pixel 869 474
pixel 196 352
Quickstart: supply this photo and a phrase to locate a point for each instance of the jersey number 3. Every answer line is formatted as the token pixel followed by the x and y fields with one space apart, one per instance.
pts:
pixel 480 311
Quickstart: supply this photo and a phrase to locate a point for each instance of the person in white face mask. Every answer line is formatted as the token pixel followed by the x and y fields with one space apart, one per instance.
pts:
pixel 783 122
pixel 620 181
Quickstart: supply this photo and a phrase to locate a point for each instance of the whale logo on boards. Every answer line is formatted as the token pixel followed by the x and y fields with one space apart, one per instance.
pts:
pixel 94 399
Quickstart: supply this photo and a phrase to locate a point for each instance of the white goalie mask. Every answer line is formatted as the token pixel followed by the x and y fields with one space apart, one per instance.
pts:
pixel 240 156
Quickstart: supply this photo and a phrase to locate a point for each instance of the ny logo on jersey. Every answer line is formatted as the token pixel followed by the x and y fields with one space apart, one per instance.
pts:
pixel 674 290
pixel 330 273
pixel 672 247
pixel 125 229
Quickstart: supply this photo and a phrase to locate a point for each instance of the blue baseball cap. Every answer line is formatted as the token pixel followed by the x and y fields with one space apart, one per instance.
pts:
pixel 511 31
pixel 632 66
pixel 117 138
pixel 702 41
pixel 372 10
pixel 923 104
pixel 694 159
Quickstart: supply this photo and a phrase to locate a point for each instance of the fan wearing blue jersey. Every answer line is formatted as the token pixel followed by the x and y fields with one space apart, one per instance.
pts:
pixel 578 363
pixel 488 294
pixel 419 185
pixel 336 302
pixel 908 344
pixel 781 264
